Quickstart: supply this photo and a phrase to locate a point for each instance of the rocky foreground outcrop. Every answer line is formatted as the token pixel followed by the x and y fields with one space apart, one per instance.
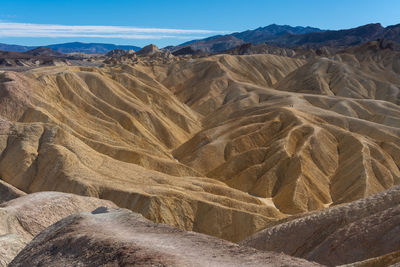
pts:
pixel 24 217
pixel 8 192
pixel 119 237
pixel 364 230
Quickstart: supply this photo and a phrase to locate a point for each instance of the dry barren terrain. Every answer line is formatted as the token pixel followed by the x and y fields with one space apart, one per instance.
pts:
pixel 224 145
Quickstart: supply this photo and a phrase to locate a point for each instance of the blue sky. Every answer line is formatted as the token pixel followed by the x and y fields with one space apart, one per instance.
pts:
pixel 40 22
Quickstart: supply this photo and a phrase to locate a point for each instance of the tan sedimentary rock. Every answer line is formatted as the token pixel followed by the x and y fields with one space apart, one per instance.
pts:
pixel 8 192
pixel 363 230
pixel 216 144
pixel 123 238
pixel 23 218
pixel 390 259
pixel 305 151
pixel 148 50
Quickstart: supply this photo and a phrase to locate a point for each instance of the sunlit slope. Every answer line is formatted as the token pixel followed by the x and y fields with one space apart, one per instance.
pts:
pixel 305 151
pixel 208 83
pixel 364 72
pixel 128 125
pixel 211 144
pixel 81 131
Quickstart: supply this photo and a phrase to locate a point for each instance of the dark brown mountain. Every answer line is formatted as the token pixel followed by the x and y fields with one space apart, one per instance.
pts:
pixel 188 51
pixel 213 44
pixel 36 57
pixel 295 37
pixel 338 39
pixel 271 32
pixel 44 51
pixel 221 43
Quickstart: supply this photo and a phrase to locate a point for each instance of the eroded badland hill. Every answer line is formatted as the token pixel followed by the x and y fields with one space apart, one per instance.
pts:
pixel 223 145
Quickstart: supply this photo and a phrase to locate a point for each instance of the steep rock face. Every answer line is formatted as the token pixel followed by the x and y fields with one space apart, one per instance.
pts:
pixel 127 239
pixel 23 218
pixel 364 230
pixel 119 52
pixel 148 50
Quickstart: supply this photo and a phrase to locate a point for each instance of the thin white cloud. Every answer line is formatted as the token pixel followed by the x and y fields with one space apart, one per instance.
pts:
pixel 53 31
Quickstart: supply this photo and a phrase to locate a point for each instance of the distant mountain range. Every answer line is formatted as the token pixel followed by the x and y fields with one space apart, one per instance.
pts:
pixel 341 38
pixel 290 37
pixel 272 32
pixel 283 36
pixel 75 47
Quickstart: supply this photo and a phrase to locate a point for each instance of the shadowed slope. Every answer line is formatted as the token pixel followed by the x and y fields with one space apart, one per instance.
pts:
pixel 23 218
pixel 127 239
pixel 357 231
pixel 9 192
